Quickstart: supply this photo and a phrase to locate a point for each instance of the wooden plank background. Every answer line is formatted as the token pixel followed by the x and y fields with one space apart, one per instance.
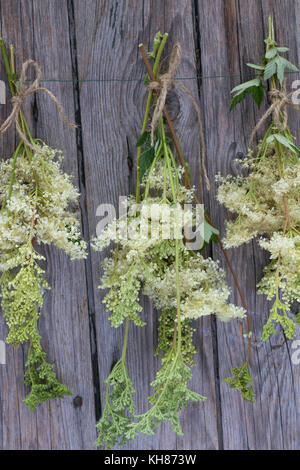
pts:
pixel 81 45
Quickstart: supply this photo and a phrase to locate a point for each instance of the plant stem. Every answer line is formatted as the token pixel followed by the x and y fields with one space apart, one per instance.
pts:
pixel 178 317
pixel 146 117
pixel 7 66
pixel 10 71
pixel 125 341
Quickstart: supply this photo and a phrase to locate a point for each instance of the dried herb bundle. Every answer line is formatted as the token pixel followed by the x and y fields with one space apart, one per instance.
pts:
pixel 182 283
pixel 266 201
pixel 34 198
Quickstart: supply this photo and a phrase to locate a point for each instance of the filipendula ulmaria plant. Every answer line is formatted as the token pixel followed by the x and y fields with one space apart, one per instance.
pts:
pixel 34 199
pixel 182 284
pixel 266 201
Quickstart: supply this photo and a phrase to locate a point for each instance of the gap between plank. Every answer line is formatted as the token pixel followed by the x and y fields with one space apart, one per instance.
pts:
pixel 197 44
pixel 84 219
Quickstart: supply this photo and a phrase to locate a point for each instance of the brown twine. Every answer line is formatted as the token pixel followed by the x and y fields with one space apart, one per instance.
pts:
pixel 203 146
pixel 281 100
pixel 19 99
pixel 163 85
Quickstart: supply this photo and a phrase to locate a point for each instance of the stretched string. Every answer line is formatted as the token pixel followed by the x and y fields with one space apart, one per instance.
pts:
pixel 126 80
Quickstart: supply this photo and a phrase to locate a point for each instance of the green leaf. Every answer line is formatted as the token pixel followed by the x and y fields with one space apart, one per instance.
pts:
pixel 142 138
pixel 147 80
pixel 256 67
pixel 170 395
pixel 282 49
pixel 258 94
pixel 244 86
pixel 241 380
pixel 277 66
pixel 147 154
pixel 270 69
pixel 280 70
pixel 271 53
pixel 237 99
pixel 287 143
pixel 270 139
pixel 289 64
pixel 146 160
pixel 119 407
pixel 210 232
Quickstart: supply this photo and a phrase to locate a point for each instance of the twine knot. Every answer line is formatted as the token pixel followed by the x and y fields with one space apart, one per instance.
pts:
pixel 280 101
pixel 163 85
pixel 19 99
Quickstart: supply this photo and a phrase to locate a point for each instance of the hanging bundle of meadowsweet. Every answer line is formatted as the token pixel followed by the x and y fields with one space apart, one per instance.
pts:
pixel 153 256
pixel 267 201
pixel 35 195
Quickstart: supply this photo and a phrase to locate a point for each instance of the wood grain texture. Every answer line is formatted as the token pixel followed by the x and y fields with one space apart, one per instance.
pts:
pixel 64 324
pixel 239 28
pixel 110 127
pixel 80 42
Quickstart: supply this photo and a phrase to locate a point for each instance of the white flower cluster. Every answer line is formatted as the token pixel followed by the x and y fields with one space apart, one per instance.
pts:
pixel 267 203
pixel 203 289
pixel 258 200
pixel 145 260
pixel 38 207
pixel 287 278
pixel 145 225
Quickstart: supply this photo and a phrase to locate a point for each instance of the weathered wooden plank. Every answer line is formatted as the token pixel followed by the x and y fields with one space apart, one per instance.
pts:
pixel 11 379
pixel 233 34
pixel 287 23
pixel 40 30
pixel 112 114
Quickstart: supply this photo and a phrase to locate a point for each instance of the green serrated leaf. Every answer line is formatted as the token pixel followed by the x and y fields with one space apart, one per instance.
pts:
pixel 241 380
pixel 142 139
pixel 287 64
pixel 256 67
pixel 287 143
pixel 245 85
pixel 258 94
pixel 237 99
pixel 280 70
pixel 210 232
pixel 270 69
pixel 119 407
pixel 271 53
pixel 282 49
pixel 146 160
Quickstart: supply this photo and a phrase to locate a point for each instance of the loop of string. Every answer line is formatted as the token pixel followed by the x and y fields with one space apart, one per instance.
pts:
pixel 281 100
pixel 19 99
pixel 162 85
